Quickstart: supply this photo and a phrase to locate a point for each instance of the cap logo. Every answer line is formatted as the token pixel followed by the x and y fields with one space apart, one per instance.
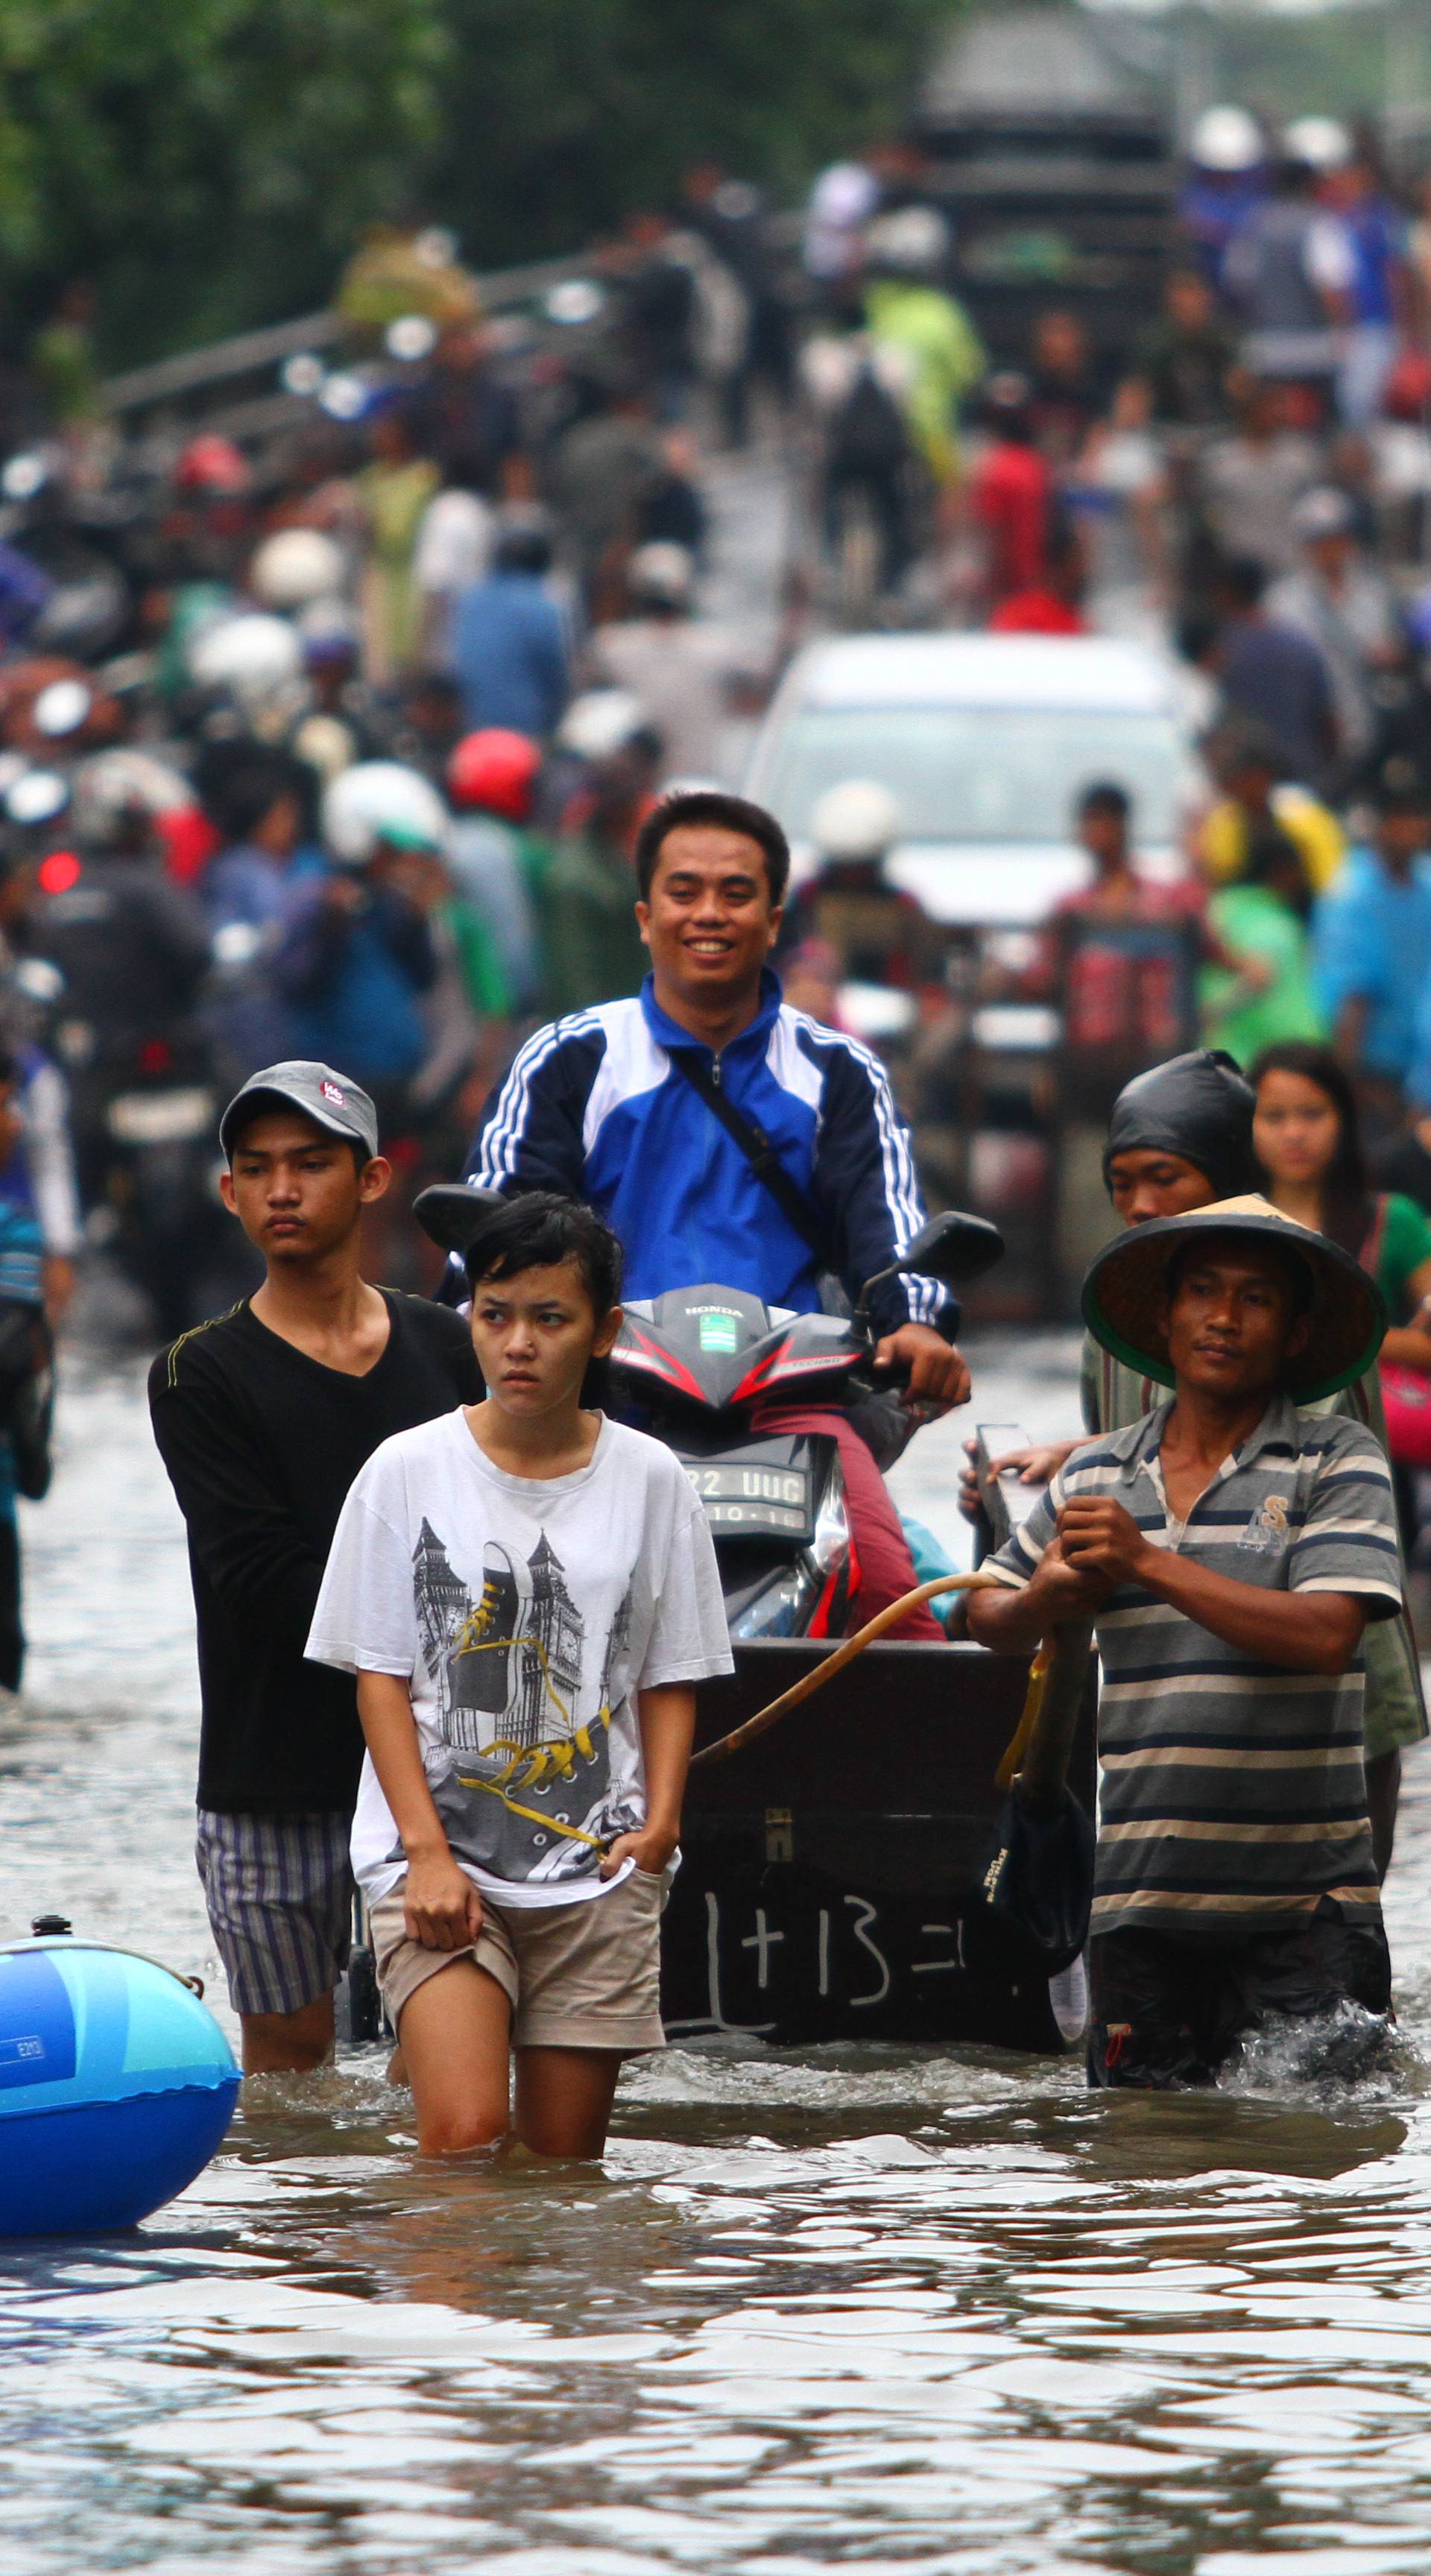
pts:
pixel 331 1092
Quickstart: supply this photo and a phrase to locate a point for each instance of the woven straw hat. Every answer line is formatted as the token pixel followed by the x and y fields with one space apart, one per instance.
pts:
pixel 1124 1293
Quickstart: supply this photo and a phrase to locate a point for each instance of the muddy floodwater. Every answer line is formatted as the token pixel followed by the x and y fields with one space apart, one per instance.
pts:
pixel 878 2309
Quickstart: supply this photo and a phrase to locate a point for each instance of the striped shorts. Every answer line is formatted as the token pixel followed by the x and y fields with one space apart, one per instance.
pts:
pixel 280 1897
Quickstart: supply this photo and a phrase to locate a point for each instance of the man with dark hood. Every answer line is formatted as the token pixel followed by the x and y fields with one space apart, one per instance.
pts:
pixel 1180 1137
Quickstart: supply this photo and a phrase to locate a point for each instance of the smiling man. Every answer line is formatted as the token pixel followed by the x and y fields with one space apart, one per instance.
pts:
pixel 263 1419
pixel 1230 1548
pixel 726 1137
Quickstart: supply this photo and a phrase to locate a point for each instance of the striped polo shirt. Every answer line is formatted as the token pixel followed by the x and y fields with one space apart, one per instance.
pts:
pixel 1232 1792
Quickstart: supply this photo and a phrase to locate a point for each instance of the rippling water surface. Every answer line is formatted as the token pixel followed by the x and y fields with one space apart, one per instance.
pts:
pixel 880 2309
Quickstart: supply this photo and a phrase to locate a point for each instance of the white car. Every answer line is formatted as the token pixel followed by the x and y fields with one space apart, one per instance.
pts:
pixel 985 742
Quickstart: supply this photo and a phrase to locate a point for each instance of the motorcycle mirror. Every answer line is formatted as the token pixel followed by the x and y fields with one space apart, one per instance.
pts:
pixel 453 1214
pixel 37 797
pixel 953 1247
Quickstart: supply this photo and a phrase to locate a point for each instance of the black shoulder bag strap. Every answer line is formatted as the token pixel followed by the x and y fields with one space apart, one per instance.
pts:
pixel 760 1154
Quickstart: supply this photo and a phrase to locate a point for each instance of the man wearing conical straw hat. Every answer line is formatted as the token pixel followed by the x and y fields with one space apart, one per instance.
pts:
pixel 1230 1548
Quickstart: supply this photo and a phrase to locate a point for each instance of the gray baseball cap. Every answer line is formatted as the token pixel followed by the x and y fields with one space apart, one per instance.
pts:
pixel 323 1095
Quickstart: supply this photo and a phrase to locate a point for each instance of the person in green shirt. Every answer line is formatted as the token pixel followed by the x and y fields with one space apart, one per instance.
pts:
pixel 586 898
pixel 1260 992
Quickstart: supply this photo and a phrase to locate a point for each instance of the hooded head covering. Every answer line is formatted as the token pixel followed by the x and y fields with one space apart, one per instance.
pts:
pixel 1197 1106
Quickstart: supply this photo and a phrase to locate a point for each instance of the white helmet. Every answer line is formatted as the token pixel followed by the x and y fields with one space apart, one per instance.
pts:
pixel 375 798
pixel 294 567
pixel 912 242
pixel 111 784
pixel 251 655
pixel 663 572
pixel 1226 138
pixel 1321 141
pixel 600 723
pixel 859 819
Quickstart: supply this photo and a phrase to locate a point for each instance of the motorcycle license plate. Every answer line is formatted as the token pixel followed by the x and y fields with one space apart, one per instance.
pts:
pixel 754 1501
pixel 161 1117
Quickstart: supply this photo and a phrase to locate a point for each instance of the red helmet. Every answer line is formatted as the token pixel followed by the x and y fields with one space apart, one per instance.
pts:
pixel 497 770
pixel 212 464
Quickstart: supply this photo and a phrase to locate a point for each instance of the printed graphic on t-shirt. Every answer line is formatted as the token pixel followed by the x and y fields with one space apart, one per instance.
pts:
pixel 525 1790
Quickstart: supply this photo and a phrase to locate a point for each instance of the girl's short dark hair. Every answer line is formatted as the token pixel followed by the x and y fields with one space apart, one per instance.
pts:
pixel 711 805
pixel 538 1229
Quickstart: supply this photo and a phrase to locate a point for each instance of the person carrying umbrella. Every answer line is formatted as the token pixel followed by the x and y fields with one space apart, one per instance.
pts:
pixel 1230 1547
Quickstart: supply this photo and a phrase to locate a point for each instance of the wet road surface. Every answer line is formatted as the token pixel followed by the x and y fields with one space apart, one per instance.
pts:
pixel 883 2309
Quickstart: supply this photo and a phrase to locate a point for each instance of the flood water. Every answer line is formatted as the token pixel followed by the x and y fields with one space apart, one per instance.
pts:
pixel 890 2310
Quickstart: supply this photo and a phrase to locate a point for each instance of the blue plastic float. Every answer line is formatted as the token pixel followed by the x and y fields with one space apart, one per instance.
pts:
pixel 116 2086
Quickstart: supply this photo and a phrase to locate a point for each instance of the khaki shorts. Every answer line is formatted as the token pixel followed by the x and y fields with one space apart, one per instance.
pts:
pixel 586 1975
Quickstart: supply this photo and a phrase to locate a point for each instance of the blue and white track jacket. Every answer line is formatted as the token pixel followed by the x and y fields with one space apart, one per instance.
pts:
pixel 593 1107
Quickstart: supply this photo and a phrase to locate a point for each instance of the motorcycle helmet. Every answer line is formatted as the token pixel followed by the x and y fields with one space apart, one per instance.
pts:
pixel 600 723
pixel 859 819
pixel 112 787
pixel 1322 142
pixel 661 575
pixel 295 567
pixel 250 656
pixel 1227 139
pixel 496 770
pixel 914 242
pixel 376 799
pixel 329 632
pixel 211 464
pixel 36 796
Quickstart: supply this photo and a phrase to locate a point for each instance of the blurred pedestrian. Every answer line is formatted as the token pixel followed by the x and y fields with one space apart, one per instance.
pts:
pixel 679 665
pixel 1249 482
pixel 1290 272
pixel 850 910
pixel 592 946
pixel 1373 943
pixel 1344 605
pixel 1245 760
pixel 1186 357
pixel 1068 391
pixel 1010 497
pixel 1273 674
pixel 509 643
pixel 452 551
pixel 1260 991
pixel 1379 292
pixel 496 861
pixel 393 492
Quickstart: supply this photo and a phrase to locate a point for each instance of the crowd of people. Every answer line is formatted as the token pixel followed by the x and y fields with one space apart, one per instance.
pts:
pixel 390 813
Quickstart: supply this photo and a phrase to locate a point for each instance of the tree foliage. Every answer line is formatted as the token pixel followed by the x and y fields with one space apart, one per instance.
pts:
pixel 207 162
pixel 204 162
pixel 561 114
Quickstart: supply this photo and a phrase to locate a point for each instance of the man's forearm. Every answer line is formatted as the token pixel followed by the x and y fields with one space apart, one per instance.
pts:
pixel 1007 1622
pixel 1312 1632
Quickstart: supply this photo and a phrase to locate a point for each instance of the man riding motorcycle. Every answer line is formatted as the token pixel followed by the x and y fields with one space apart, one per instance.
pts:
pixel 728 1138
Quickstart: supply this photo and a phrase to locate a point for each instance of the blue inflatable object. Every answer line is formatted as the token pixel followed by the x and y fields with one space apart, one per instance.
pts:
pixel 116 2086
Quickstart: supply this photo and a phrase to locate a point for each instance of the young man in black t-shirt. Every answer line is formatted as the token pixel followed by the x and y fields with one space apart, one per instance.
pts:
pixel 263 1419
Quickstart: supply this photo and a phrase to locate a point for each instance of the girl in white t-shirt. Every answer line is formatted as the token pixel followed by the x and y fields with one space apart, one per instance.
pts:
pixel 527 1593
